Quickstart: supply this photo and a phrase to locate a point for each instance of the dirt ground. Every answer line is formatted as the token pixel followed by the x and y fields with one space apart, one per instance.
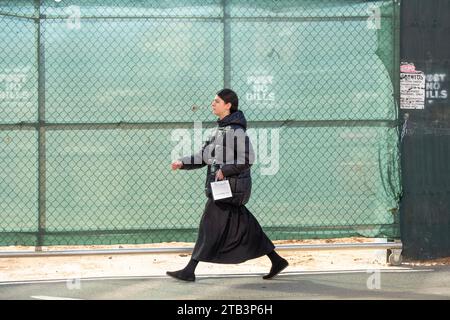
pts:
pixel 156 264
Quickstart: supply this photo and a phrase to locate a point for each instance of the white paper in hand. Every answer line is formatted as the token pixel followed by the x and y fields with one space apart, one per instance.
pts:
pixel 221 190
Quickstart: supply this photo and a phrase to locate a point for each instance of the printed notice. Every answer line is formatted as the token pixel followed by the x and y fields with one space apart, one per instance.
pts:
pixel 412 87
pixel 221 189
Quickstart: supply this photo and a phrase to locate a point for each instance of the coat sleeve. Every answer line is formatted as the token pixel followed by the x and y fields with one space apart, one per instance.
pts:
pixel 244 155
pixel 195 161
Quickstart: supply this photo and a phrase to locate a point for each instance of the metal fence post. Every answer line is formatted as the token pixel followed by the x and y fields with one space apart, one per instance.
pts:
pixel 226 44
pixel 41 129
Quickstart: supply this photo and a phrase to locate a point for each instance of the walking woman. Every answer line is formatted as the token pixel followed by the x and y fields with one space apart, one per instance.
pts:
pixel 228 232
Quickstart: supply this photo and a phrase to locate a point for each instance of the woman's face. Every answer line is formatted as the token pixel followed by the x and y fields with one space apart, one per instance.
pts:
pixel 220 108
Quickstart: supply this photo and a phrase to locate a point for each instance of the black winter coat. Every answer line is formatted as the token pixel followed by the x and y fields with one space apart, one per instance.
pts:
pixel 229 149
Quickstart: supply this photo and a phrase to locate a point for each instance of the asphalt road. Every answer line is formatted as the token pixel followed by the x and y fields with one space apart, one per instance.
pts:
pixel 406 283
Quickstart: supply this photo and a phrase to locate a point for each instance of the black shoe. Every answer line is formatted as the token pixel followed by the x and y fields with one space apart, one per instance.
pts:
pixel 181 276
pixel 276 269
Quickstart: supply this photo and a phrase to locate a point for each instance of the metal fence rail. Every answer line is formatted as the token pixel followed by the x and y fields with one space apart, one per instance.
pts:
pixel 394 250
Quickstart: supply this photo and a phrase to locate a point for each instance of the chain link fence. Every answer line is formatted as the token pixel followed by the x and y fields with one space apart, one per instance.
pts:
pixel 93 95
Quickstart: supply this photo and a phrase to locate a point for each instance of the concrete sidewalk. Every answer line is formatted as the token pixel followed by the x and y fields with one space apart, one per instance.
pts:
pixel 143 265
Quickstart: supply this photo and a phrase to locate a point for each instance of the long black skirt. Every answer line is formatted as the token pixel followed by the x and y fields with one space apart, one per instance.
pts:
pixel 229 234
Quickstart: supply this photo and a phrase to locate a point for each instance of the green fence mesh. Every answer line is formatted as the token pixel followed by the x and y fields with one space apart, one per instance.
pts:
pixel 94 93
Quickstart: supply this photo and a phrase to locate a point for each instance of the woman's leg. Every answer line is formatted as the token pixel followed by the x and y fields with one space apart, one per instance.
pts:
pixel 186 274
pixel 278 265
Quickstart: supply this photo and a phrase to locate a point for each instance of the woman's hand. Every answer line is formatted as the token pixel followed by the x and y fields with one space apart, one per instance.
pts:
pixel 177 165
pixel 219 175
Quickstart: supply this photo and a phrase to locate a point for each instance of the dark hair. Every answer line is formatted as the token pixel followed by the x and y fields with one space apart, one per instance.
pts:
pixel 230 96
